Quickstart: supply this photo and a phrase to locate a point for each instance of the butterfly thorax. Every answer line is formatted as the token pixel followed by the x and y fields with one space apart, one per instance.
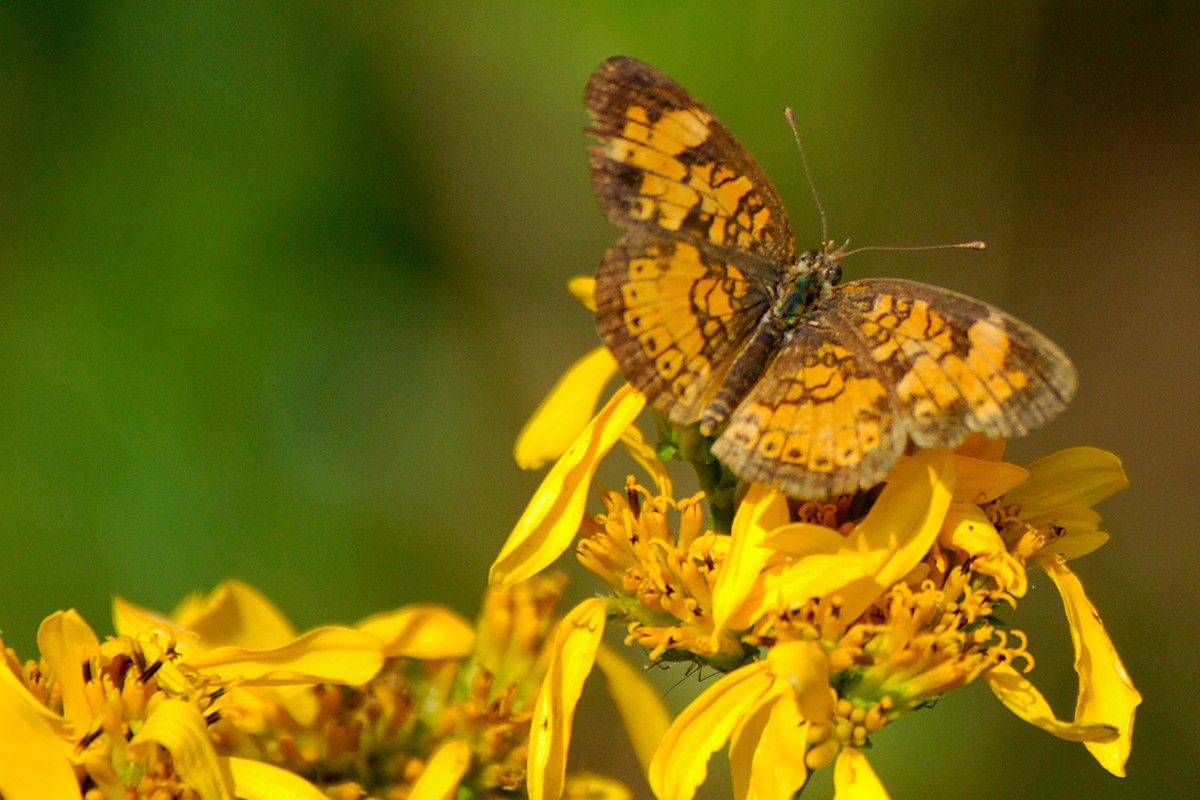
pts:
pixel 805 284
pixel 796 297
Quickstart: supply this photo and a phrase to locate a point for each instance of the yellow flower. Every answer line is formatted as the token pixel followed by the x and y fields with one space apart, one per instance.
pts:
pixel 130 717
pixel 863 622
pixel 834 622
pixel 449 712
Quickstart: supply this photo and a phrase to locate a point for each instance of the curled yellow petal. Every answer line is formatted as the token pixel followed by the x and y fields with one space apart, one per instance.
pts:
pixel 443 773
pixel 550 521
pixel 1023 699
pixel 421 631
pixel 967 529
pixel 1080 476
pixel 66 641
pixel 853 778
pixel 763 510
pixel 584 289
pixel 565 412
pixel 1106 693
pixel 681 763
pixel 575 644
pixel 234 614
pixel 330 654
pixel 181 729
pixel 257 780
pixel 590 786
pixel 33 757
pixel 645 455
pixel 638 702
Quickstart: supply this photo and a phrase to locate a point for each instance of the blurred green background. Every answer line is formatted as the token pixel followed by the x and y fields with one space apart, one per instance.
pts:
pixel 280 282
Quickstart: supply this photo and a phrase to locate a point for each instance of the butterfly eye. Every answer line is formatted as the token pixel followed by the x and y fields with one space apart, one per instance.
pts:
pixel 833 274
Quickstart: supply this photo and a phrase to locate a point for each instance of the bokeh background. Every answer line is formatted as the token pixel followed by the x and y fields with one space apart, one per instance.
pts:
pixel 280 281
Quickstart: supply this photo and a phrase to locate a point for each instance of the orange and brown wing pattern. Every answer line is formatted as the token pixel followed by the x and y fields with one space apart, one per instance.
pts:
pixel 665 163
pixel 956 364
pixel 673 315
pixel 821 420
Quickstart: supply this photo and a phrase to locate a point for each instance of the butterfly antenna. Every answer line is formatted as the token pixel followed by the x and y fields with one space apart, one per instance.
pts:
pixel 960 246
pixel 791 118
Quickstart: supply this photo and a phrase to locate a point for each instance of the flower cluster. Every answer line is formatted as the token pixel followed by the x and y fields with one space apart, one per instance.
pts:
pixel 222 699
pixel 829 619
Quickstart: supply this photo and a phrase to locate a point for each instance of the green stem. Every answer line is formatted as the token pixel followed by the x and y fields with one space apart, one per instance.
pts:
pixel 685 443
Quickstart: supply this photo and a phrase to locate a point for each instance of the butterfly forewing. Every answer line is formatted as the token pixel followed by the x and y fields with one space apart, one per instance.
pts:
pixel 665 163
pixel 673 315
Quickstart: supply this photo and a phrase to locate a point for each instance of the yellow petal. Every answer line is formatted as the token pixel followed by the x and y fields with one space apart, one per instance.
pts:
pixel 903 524
pixel 550 521
pixel 1074 544
pixel 779 769
pixel 257 780
pixel 638 702
pixel 66 641
pixel 443 773
pixel 766 751
pixel 584 289
pixel 565 412
pixel 1106 693
pixel 234 615
pixel 1081 476
pixel 130 619
pixel 681 763
pixel 808 578
pixel 853 778
pixel 981 481
pixel 801 539
pixel 323 655
pixel 1079 526
pixel 978 445
pixel 645 455
pixel 181 729
pixel 1023 699
pixel 805 667
pixel 905 520
pixel 421 631
pixel 575 644
pixel 33 757
pixel 763 510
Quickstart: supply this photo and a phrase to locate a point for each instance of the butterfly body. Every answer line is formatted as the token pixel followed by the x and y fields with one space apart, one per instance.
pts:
pixel 712 313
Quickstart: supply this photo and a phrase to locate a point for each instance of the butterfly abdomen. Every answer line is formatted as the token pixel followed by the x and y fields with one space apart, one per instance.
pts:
pixel 744 373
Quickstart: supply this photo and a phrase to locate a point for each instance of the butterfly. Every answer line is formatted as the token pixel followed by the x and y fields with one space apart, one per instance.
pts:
pixel 712 313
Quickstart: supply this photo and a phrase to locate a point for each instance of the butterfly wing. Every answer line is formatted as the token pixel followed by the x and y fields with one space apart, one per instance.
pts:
pixel 673 315
pixel 883 361
pixel 679 294
pixel 666 164
pixel 821 421
pixel 958 365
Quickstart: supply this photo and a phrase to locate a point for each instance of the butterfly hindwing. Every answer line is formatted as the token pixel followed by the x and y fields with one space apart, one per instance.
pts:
pixel 665 163
pixel 957 365
pixel 820 420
